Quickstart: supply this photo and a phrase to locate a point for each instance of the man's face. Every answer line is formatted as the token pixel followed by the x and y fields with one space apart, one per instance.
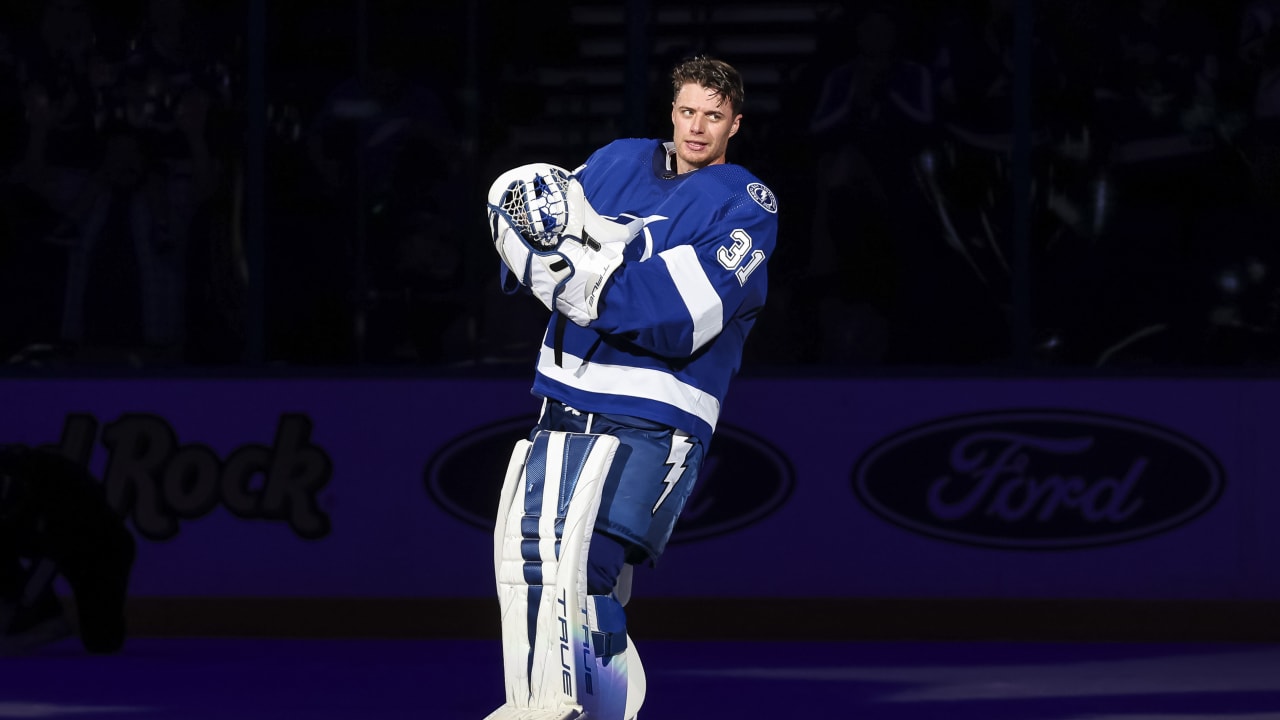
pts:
pixel 703 124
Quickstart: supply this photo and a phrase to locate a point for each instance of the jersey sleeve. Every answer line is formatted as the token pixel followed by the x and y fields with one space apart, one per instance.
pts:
pixel 678 300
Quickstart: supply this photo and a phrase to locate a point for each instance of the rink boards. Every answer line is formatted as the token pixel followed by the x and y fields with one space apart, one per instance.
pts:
pixel 871 489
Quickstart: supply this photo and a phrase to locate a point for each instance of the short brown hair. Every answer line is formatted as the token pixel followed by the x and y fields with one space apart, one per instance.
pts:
pixel 717 76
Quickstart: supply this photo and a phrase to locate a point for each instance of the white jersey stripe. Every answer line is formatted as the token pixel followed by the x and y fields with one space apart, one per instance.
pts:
pixel 697 292
pixel 641 383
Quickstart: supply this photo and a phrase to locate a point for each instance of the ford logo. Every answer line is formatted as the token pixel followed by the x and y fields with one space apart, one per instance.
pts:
pixel 1038 479
pixel 743 479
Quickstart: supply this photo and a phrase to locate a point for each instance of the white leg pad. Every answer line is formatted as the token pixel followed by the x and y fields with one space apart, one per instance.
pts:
pixel 565 654
pixel 507 712
pixel 636 684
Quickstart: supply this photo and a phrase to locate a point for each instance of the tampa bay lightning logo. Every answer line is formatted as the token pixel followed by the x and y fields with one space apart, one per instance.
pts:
pixel 763 196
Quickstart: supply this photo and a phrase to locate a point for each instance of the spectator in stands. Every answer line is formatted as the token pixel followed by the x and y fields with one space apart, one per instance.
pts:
pixel 870 117
pixel 384 146
pixel 1259 52
pixel 63 78
pixel 170 85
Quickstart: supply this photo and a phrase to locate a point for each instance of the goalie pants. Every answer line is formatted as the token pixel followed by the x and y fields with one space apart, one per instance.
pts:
pixel 652 477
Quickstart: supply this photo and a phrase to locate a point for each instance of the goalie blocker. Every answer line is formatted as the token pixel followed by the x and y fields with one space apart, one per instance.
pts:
pixel 566 653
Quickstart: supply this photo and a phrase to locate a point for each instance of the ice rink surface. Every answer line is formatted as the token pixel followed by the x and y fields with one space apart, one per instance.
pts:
pixel 353 679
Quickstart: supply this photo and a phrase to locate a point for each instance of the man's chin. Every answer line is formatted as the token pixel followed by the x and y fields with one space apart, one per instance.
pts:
pixel 695 162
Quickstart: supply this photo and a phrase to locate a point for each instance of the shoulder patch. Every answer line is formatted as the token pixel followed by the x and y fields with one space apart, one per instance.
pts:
pixel 763 196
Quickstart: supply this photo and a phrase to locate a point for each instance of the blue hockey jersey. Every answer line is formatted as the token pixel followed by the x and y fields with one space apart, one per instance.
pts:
pixel 674 317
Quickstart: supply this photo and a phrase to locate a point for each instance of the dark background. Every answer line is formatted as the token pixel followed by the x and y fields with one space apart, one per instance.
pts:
pixel 1026 186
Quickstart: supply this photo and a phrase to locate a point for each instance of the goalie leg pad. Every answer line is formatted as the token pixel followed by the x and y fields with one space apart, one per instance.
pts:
pixel 636 683
pixel 564 651
pixel 607 682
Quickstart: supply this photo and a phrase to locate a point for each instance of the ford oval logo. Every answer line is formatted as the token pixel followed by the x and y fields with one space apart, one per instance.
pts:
pixel 1038 479
pixel 743 479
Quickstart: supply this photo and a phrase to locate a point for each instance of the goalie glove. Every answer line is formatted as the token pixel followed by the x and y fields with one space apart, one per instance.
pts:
pixel 552 240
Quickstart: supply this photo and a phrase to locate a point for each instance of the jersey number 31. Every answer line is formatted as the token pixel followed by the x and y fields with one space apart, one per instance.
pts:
pixel 731 257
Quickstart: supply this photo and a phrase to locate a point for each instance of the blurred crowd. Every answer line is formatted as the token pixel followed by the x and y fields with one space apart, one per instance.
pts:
pixel 1141 147
pixel 1116 206
pixel 119 161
